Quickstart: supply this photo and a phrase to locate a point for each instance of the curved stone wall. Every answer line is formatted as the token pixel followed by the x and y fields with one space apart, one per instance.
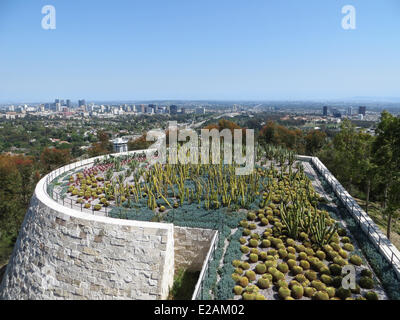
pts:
pixel 62 253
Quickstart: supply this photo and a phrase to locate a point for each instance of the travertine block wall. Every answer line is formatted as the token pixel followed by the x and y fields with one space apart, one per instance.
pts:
pixel 64 254
pixel 191 247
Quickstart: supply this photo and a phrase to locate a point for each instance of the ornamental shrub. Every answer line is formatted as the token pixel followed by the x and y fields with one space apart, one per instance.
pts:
pixel 244 223
pixel 263 283
pixel 325 270
pixel 253 257
pixel 302 256
pixel 291 263
pixel 249 296
pixel 348 247
pixel 335 269
pixel 253 243
pixel 366 283
pixel 291 256
pixel 277 275
pixel 356 290
pixel 260 296
pixel 246 232
pixel 297 270
pixel 283 267
pixel 320 254
pixel 244 282
pixel 366 273
pixel 282 283
pixel 263 255
pixel 266 243
pixel 255 236
pixel 291 250
pixel 290 242
pixel 356 260
pixel 236 263
pixel 309 252
pixel 337 281
pixel 321 295
pixel 371 295
pixel 305 264
pixel 261 268
pixel 331 291
pixel 245 265
pixel 267 276
pixel 340 261
pixel 239 271
pixel 300 248
pixel 244 249
pixel 317 284
pixel 326 279
pixel 282 253
pixel 251 216
pixel 284 292
pixel 297 292
pixel 346 240
pixel 300 278
pixel 343 293
pixel 238 290
pixel 311 275
pixel 309 291
pixel 343 253
pixel 252 226
pixel 251 275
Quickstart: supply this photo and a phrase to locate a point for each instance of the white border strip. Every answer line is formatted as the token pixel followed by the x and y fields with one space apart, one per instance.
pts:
pixel 45 198
pixel 374 233
pixel 205 265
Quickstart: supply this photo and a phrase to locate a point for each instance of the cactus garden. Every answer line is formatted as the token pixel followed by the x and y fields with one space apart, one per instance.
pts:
pixel 277 241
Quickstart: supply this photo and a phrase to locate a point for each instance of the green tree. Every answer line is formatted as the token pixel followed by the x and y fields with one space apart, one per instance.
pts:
pixel 386 151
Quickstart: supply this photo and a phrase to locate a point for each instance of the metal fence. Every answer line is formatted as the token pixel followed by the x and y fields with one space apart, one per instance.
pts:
pixel 380 241
pixel 199 292
pixel 71 203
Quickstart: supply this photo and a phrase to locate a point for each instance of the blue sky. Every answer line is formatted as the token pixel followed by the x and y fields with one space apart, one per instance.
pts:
pixel 198 49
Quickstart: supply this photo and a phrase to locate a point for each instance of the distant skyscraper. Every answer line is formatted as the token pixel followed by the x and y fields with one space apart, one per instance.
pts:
pixel 173 109
pixel 81 103
pixel 349 111
pixel 362 110
pixel 68 103
pixel 325 111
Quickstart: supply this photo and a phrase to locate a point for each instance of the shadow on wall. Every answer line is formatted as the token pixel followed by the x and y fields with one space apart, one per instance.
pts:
pixel 2 271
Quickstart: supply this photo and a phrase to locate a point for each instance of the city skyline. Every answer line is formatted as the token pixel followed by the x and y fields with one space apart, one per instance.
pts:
pixel 268 50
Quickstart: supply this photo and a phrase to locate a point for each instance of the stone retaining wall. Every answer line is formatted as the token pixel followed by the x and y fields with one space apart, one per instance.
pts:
pixel 62 253
pixel 191 247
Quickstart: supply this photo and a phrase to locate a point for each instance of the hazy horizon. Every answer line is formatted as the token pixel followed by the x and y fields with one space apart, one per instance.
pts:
pixel 205 50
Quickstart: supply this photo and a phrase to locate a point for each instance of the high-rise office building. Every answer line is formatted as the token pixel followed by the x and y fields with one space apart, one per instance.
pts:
pixel 349 111
pixel 81 103
pixel 68 103
pixel 325 111
pixel 173 109
pixel 362 110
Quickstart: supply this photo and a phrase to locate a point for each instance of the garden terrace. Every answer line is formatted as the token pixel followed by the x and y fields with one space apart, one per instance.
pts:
pixel 283 234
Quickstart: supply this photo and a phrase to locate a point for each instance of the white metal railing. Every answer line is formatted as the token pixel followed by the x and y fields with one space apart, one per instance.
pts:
pixel 367 225
pixel 56 196
pixel 198 292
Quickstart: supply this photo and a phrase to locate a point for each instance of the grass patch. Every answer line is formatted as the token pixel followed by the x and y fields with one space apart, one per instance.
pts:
pixel 375 212
pixel 184 284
